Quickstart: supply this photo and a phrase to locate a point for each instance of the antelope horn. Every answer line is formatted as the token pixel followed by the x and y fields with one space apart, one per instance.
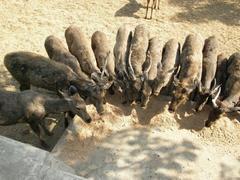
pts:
pixel 200 87
pixel 130 68
pixel 147 65
pixel 105 65
pixel 214 83
pixel 178 70
pixel 213 91
pixel 175 80
pixel 216 97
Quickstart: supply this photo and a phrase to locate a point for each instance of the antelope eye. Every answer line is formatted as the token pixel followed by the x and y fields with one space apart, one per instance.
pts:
pixel 184 90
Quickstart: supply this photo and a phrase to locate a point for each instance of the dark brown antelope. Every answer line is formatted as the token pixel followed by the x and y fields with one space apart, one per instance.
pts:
pixel 230 102
pixel 121 52
pixel 33 69
pixel 221 73
pixel 32 108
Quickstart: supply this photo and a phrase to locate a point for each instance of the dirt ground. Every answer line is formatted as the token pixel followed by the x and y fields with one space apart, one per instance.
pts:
pixel 25 25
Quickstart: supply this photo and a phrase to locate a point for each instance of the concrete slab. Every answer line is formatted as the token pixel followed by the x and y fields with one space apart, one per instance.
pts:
pixel 20 161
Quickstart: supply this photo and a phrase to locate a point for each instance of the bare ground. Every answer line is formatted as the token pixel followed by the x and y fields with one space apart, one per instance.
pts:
pixel 25 25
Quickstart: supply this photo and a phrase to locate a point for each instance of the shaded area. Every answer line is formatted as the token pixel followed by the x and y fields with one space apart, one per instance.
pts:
pixel 23 133
pixel 6 80
pixel 187 118
pixel 228 172
pixel 226 12
pixel 157 108
pixel 129 9
pixel 138 154
pixel 21 161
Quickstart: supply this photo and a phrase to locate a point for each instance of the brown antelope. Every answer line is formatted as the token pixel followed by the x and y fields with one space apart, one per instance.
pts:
pixel 137 59
pixel 154 56
pixel 205 88
pixel 33 69
pixel 190 72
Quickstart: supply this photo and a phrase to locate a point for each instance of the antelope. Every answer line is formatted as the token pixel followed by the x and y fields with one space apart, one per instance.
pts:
pixel 121 52
pixel 104 57
pixel 80 47
pixel 56 51
pixel 137 58
pixel 33 69
pixel 205 90
pixel 32 108
pixel 154 56
pixel 190 71
pixel 232 94
pixel 169 63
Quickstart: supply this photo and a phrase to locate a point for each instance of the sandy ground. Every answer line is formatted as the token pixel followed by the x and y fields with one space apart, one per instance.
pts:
pixel 131 143
pixel 25 25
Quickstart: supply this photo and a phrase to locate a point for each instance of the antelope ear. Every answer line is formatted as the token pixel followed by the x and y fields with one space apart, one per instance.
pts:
pixel 213 91
pixel 104 71
pixel 105 85
pixel 146 66
pixel 130 68
pixel 214 83
pixel 200 87
pixel 72 90
pixel 159 66
pixel 177 73
pixel 196 82
pixel 176 81
pixel 95 77
pixel 62 94
pixel 172 70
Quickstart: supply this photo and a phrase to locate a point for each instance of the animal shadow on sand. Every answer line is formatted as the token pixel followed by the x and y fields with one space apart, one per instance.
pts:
pixel 226 12
pixel 155 106
pixel 129 9
pixel 187 118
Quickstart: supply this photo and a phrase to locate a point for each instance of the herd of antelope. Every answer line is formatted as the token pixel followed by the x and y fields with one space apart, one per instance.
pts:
pixel 139 67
